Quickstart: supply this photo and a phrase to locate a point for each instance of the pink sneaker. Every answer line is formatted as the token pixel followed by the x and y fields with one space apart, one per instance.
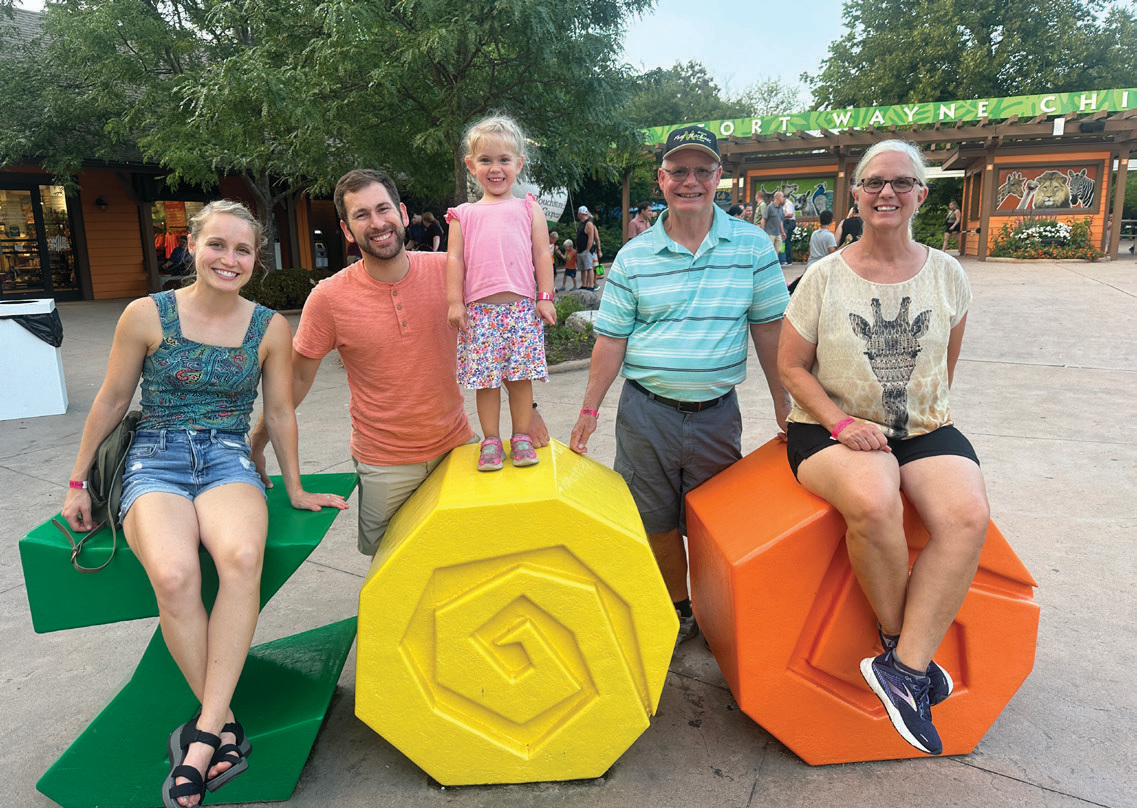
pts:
pixel 490 457
pixel 523 454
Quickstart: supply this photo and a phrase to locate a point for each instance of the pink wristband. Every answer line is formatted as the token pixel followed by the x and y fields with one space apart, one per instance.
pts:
pixel 77 484
pixel 841 425
pixel 593 413
pixel 544 296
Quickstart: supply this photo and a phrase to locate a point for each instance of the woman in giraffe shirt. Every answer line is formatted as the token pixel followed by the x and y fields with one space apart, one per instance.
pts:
pixel 869 345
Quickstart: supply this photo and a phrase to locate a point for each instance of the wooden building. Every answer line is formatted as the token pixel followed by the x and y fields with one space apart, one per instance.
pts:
pixel 1057 166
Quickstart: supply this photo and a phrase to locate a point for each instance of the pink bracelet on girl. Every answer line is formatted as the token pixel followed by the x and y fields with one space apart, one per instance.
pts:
pixel 841 425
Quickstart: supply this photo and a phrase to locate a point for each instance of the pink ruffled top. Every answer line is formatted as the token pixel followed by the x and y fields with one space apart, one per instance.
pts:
pixel 497 240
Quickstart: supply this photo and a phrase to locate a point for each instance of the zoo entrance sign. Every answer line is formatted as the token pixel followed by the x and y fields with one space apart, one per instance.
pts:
pixel 1025 106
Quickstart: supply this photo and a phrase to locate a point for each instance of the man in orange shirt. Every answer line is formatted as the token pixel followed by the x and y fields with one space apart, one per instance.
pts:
pixel 386 316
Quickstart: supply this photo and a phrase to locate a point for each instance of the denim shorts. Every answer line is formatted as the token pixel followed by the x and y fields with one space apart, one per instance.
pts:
pixel 178 461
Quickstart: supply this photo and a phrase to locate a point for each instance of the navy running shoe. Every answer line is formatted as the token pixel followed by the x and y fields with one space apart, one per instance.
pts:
pixel 905 699
pixel 942 685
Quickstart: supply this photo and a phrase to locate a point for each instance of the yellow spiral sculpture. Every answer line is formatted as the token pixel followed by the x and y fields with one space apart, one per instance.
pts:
pixel 514 626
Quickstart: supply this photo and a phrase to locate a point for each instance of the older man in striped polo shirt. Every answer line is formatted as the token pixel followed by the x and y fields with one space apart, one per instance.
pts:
pixel 673 322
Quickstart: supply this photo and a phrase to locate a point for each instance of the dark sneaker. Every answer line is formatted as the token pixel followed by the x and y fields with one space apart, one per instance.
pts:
pixel 905 699
pixel 688 629
pixel 942 685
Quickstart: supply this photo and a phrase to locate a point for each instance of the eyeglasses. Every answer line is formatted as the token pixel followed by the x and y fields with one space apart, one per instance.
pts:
pixel 682 173
pixel 901 185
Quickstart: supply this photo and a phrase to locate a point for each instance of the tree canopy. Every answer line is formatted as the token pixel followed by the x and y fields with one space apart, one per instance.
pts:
pixel 898 51
pixel 289 93
pixel 686 92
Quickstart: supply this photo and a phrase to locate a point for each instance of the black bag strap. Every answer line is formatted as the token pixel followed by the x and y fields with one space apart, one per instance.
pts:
pixel 77 546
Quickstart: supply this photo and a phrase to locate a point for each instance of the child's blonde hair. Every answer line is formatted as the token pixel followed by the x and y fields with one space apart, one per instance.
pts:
pixel 495 127
pixel 568 242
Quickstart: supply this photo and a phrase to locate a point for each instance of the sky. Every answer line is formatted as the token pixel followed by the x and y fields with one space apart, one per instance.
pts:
pixel 738 42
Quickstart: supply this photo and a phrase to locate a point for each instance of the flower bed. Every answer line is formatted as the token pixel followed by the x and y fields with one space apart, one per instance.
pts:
pixel 1034 238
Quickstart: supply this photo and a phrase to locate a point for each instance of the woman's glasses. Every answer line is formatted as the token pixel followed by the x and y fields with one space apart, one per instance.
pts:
pixel 901 185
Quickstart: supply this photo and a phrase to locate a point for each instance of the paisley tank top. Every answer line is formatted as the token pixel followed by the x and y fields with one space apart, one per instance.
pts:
pixel 188 385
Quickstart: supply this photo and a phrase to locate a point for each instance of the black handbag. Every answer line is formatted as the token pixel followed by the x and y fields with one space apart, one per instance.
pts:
pixel 104 484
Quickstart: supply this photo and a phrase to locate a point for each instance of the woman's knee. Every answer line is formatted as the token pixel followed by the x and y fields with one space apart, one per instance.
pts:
pixel 175 583
pixel 963 522
pixel 873 514
pixel 240 560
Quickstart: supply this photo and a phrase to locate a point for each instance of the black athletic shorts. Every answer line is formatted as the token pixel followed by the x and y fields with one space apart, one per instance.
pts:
pixel 806 440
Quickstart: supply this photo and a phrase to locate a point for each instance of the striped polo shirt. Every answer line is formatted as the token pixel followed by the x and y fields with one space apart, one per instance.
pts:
pixel 686 316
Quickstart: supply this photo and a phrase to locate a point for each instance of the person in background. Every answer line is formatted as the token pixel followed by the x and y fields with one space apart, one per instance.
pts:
pixel 189 483
pixel 641 221
pixel 821 241
pixel 849 231
pixel 555 254
pixel 587 248
pixel 952 225
pixel 869 352
pixel 432 238
pixel 788 225
pixel 772 219
pixel 180 260
pixel 570 264
pixel 416 232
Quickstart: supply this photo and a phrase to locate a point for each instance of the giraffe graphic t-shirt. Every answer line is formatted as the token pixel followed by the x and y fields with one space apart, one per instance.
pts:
pixel 882 347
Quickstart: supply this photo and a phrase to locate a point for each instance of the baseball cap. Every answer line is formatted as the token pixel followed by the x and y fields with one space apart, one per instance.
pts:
pixel 582 209
pixel 692 137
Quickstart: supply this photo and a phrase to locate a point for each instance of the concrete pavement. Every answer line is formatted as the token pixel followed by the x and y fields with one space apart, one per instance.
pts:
pixel 1045 390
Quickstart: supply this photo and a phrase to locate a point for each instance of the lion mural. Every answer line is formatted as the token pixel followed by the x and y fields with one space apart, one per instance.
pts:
pixel 1053 190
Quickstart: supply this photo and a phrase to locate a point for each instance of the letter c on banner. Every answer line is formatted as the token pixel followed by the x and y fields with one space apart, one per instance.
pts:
pixel 1047 103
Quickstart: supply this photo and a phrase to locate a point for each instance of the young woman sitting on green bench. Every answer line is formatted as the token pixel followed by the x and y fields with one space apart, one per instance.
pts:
pixel 200 352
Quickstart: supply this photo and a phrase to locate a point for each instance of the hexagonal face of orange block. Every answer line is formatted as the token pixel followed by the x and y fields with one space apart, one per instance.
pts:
pixel 514 626
pixel 776 597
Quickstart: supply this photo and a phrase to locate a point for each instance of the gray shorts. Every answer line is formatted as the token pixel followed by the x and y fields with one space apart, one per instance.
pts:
pixel 585 261
pixel 662 453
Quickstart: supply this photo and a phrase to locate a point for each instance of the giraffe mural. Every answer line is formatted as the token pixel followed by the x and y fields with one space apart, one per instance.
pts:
pixel 892 347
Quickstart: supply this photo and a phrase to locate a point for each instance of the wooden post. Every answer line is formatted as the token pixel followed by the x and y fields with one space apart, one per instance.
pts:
pixel 1111 249
pixel 625 203
pixel 986 200
pixel 841 186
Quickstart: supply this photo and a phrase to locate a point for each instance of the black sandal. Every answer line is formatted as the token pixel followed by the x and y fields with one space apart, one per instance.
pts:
pixel 177 746
pixel 234 754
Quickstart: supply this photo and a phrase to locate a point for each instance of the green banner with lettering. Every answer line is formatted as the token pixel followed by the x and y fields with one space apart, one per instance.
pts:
pixel 836 120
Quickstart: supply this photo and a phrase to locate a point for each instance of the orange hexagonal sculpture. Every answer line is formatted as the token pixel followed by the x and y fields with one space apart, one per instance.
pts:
pixel 514 626
pixel 777 600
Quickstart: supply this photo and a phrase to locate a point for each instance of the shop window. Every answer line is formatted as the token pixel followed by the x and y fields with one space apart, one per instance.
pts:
pixel 171 234
pixel 37 254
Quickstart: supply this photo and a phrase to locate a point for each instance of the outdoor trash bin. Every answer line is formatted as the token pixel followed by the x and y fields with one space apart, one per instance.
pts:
pixel 31 370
